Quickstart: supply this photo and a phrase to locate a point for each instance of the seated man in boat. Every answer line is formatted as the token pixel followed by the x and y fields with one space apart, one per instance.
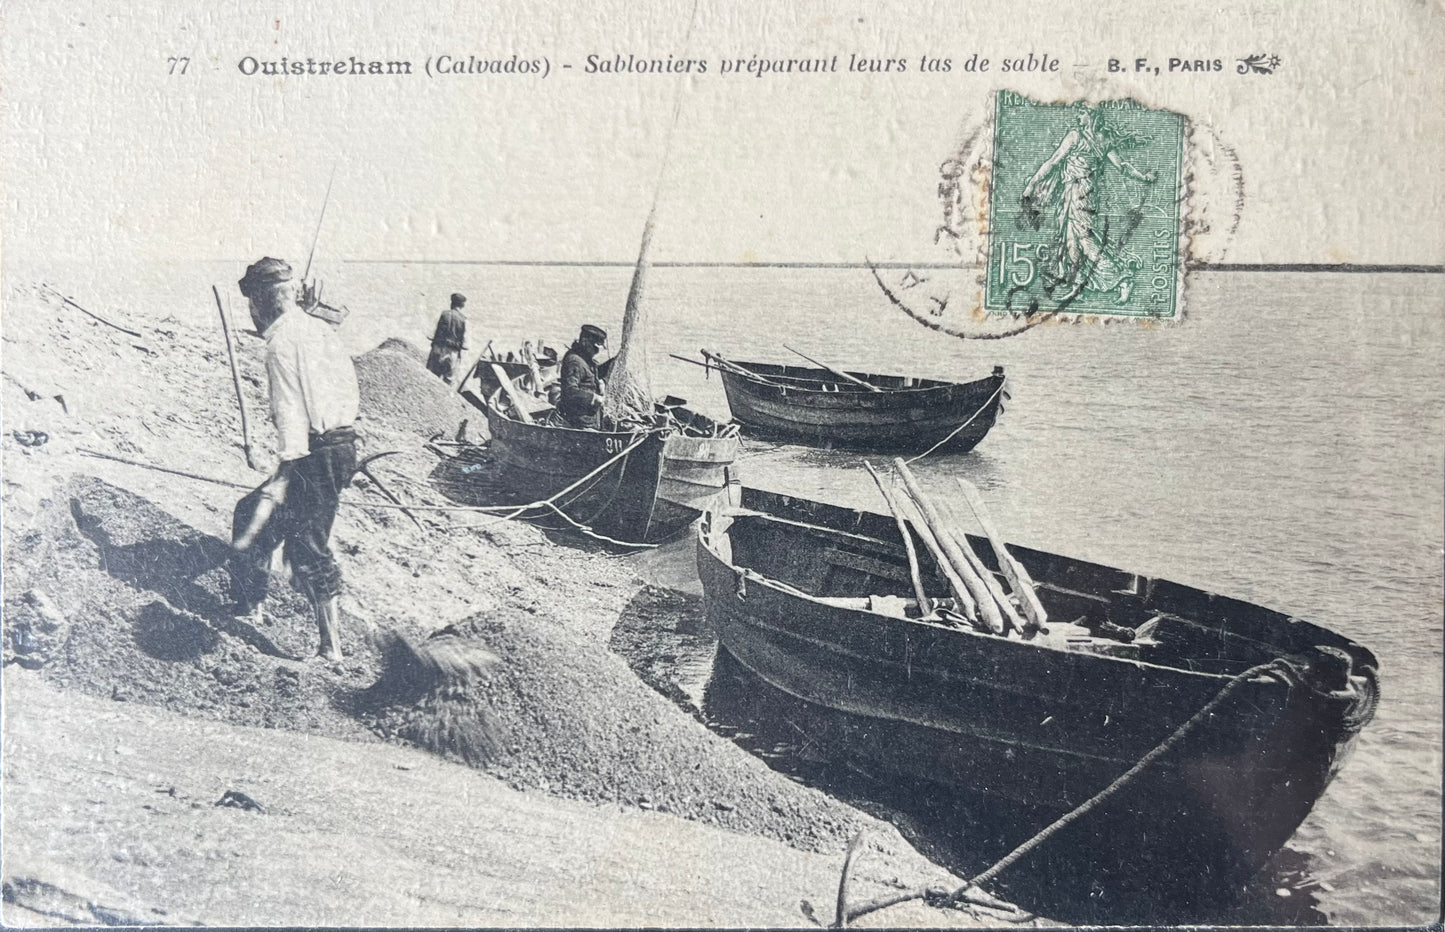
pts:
pixel 580 402
pixel 314 402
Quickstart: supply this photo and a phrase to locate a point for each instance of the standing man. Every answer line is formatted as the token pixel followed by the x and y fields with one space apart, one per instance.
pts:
pixel 314 403
pixel 580 403
pixel 449 341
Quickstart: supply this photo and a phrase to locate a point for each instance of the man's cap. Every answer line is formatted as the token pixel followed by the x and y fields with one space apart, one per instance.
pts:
pixel 458 300
pixel 595 334
pixel 268 271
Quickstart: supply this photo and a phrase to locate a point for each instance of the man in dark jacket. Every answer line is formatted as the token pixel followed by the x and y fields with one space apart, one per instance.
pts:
pixel 449 341
pixel 581 400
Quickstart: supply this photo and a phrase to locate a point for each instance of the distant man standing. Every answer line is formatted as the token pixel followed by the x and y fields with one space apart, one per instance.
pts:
pixel 314 403
pixel 580 403
pixel 449 341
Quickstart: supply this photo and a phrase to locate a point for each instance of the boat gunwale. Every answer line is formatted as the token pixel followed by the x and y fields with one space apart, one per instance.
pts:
pixel 708 530
pixel 494 407
pixel 806 384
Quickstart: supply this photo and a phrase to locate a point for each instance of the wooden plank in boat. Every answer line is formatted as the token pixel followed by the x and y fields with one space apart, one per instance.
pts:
pixel 866 564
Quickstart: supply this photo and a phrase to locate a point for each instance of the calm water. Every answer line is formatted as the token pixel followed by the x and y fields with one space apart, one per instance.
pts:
pixel 1283 446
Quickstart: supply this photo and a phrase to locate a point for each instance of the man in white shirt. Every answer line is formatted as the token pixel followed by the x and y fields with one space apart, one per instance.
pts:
pixel 314 402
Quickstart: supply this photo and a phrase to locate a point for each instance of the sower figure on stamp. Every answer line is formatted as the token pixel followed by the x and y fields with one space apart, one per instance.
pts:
pixel 1070 181
pixel 314 404
pixel 449 341
pixel 582 389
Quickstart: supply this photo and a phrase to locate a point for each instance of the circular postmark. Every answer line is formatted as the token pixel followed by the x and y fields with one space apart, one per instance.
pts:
pixel 1071 211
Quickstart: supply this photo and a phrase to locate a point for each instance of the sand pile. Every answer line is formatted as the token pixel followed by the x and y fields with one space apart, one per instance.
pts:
pixel 113 597
pixel 110 593
pixel 560 713
pixel 399 395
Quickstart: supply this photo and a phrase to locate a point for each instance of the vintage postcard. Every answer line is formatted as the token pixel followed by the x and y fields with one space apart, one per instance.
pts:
pixel 710 464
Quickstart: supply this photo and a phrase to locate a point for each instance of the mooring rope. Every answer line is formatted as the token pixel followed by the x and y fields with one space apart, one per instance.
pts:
pixel 938 897
pixel 954 432
pixel 503 512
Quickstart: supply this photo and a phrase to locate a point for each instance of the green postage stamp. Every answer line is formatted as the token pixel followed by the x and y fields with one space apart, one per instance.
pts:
pixel 1085 209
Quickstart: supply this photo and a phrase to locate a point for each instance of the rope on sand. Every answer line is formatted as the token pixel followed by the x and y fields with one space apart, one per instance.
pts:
pixel 503 512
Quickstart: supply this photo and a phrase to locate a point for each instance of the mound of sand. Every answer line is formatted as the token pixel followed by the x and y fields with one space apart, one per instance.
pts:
pixel 560 713
pixel 141 602
pixel 146 617
pixel 399 395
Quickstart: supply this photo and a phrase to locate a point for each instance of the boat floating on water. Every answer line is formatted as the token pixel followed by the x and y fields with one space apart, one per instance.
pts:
pixel 859 410
pixel 818 602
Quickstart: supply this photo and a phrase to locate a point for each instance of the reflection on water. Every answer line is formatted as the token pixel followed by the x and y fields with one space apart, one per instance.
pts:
pixel 664 636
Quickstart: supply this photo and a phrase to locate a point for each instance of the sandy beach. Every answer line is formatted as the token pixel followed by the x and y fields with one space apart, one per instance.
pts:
pixel 554 788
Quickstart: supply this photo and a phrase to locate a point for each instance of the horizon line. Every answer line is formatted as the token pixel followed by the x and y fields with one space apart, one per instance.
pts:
pixel 1408 268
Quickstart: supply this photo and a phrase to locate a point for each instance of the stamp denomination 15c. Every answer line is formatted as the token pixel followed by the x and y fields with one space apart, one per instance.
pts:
pixel 1085 209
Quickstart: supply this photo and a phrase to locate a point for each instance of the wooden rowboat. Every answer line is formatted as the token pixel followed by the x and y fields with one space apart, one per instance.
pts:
pixel 698 451
pixel 816 601
pixel 697 457
pixel 818 408
pixel 540 460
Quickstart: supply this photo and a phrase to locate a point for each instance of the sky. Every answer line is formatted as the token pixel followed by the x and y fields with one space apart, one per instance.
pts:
pixel 110 155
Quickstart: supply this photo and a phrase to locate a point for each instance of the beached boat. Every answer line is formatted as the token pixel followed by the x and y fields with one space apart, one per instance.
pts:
pixel 698 451
pixel 697 457
pixel 604 480
pixel 820 408
pixel 816 600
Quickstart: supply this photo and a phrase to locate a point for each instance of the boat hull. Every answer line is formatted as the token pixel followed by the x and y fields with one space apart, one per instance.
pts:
pixel 696 469
pixel 988 717
pixel 792 405
pixel 538 462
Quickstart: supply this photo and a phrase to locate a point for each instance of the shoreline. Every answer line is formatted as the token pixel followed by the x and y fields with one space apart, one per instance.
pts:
pixel 114 572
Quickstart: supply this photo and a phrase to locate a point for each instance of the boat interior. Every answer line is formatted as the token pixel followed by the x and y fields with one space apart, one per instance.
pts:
pixel 823 380
pixel 856 560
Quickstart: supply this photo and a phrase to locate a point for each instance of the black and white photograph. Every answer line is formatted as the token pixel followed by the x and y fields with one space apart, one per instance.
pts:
pixel 708 464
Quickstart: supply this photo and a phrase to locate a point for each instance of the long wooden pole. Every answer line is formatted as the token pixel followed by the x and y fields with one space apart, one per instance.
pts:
pixel 92 314
pixel 838 372
pixel 235 378
pixel 987 609
pixel 326 200
pixel 512 394
pixel 1010 614
pixel 725 363
pixel 924 605
pixel 1014 571
pixel 967 605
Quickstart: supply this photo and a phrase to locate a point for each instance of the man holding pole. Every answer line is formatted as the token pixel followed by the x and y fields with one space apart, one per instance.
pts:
pixel 314 403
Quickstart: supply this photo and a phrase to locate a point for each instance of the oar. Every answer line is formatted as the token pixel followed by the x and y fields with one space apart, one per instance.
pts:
pixel 689 359
pixel 838 372
pixel 988 610
pixel 1013 570
pixel 511 392
pixel 740 370
pixel 924 605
